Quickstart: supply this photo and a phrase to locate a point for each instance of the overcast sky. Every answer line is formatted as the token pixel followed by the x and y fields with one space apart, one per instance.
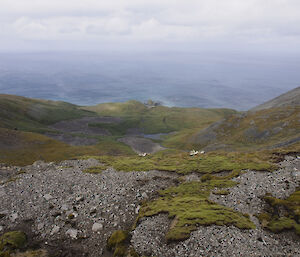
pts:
pixel 118 24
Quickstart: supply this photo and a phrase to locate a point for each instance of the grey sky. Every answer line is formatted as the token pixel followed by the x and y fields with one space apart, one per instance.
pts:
pixel 84 24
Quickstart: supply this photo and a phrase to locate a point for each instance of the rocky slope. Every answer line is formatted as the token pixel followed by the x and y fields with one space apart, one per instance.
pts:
pixel 67 212
pixel 59 206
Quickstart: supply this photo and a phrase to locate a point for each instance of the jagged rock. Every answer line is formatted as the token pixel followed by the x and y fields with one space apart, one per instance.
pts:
pixel 97 227
pixel 38 164
pixel 64 207
pixel 137 209
pixel 79 198
pixel 40 226
pixel 72 233
pixel 48 197
pixel 55 230
pixel 144 195
pixel 93 210
pixel 3 214
pixel 13 217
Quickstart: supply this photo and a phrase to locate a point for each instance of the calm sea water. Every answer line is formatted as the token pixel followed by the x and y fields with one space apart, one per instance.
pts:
pixel 207 80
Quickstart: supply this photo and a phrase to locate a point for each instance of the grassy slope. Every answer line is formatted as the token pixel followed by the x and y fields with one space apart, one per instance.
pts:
pixel 34 115
pixel 248 131
pixel 182 163
pixel 19 147
pixel 160 119
pixel 27 147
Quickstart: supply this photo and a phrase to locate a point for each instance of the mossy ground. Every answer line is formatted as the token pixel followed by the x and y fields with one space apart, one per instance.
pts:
pixel 95 169
pixel 290 220
pixel 118 243
pixel 188 205
pixel 11 241
pixel 182 163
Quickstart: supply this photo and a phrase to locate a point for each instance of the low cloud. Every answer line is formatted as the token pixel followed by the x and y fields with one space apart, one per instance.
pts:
pixel 150 21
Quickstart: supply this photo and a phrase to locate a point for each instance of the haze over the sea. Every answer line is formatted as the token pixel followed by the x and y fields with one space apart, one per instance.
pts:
pixel 202 79
pixel 206 53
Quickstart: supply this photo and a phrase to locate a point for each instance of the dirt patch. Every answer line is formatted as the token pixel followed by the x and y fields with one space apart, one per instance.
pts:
pixel 141 145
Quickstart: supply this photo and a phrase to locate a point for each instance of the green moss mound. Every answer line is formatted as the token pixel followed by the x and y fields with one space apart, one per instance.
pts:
pixel 291 217
pixel 118 243
pixel 188 205
pixel 95 170
pixel 11 241
pixel 182 163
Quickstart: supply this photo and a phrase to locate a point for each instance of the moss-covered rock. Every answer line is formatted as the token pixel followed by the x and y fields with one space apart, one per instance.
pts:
pixel 35 253
pixel 276 220
pixel 118 243
pixel 95 169
pixel 11 241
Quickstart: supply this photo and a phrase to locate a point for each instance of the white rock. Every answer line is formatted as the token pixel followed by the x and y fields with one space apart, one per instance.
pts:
pixel 97 227
pixel 2 192
pixel 55 230
pixel 40 226
pixel 13 217
pixel 64 207
pixel 137 209
pixel 79 198
pixel 72 233
pixel 1 228
pixel 144 195
pixel 48 197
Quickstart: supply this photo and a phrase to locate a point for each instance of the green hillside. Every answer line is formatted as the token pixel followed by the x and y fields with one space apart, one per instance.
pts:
pixel 160 119
pixel 266 128
pixel 29 114
pixel 192 128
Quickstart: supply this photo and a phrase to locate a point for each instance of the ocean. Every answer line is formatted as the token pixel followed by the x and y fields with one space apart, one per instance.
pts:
pixel 185 79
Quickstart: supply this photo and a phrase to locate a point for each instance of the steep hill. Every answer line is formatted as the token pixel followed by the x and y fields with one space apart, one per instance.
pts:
pixel 291 98
pixel 27 114
pixel 273 124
